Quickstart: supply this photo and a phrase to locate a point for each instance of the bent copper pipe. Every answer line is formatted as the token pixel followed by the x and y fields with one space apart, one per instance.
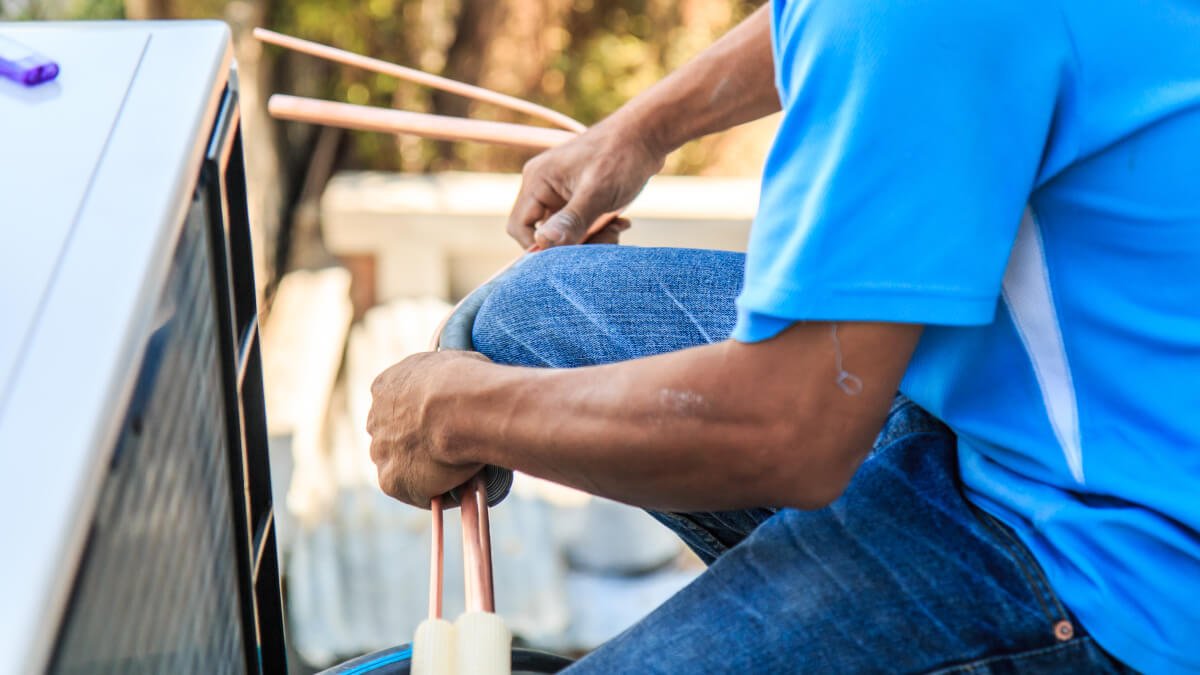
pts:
pixel 440 127
pixel 419 77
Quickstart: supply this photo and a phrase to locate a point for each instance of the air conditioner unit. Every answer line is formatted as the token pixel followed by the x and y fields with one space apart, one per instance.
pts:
pixel 135 498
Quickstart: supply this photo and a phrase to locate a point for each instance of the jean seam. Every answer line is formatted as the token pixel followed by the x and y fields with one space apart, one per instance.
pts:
pixel 1036 569
pixel 906 436
pixel 692 526
pixel 719 517
pixel 971 666
pixel 889 441
pixel 1029 567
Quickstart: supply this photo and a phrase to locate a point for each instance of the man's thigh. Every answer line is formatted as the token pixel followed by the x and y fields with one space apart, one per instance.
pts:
pixel 900 575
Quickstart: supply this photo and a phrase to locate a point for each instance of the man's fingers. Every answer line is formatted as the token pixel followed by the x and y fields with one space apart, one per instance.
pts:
pixel 527 213
pixel 394 485
pixel 605 236
pixel 570 223
pixel 537 200
pixel 611 233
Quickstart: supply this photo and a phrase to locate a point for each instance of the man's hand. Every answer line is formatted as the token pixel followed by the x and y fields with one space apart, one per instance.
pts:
pixel 411 427
pixel 566 189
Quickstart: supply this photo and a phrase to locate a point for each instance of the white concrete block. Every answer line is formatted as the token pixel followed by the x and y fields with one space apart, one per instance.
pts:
pixel 441 235
pixel 303 339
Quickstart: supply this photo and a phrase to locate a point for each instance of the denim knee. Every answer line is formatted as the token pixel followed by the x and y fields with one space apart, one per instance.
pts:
pixel 516 323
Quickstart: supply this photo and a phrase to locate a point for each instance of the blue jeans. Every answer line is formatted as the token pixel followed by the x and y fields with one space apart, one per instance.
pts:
pixel 900 575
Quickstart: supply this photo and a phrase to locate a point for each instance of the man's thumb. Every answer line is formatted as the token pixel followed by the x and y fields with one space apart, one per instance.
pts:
pixel 570 223
pixel 564 227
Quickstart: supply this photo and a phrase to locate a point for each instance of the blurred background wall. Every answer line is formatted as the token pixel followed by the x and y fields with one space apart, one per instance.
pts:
pixel 362 240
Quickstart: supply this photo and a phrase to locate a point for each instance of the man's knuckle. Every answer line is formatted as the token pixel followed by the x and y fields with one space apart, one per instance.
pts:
pixel 570 218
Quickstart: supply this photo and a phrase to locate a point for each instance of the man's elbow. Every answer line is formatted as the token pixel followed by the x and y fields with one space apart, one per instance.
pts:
pixel 809 471
pixel 810 494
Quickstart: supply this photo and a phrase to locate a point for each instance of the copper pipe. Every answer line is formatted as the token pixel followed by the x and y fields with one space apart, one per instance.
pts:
pixel 418 76
pixel 386 120
pixel 437 558
pixel 472 550
pixel 487 595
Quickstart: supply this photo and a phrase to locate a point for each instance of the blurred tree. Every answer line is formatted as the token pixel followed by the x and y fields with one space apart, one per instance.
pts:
pixel 582 57
pixel 475 30
pixel 586 58
pixel 42 10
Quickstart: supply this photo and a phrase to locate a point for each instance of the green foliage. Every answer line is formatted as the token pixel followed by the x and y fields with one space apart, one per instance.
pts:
pixel 582 57
pixel 97 10
pixel 53 10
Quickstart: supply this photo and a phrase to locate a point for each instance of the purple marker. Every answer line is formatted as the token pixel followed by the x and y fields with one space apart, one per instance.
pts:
pixel 21 64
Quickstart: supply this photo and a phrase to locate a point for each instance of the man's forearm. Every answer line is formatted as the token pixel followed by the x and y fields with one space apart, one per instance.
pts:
pixel 729 83
pixel 656 434
pixel 714 427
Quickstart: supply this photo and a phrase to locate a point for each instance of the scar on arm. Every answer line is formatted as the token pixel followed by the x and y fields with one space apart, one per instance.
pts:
pixel 725 88
pixel 682 402
pixel 848 382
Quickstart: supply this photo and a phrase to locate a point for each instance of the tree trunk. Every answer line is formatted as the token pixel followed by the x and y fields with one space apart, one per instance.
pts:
pixel 147 9
pixel 465 59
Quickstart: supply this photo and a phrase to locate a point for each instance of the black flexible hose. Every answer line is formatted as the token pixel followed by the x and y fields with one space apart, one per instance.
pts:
pixel 456 334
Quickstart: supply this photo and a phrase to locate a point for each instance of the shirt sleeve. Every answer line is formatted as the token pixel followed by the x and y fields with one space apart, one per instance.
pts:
pixel 911 137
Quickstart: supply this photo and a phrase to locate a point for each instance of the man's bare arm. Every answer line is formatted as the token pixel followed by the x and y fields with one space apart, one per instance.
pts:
pixel 730 83
pixel 567 188
pixel 722 426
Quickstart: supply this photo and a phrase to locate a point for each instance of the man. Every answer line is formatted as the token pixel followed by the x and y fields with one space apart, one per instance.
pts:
pixel 991 207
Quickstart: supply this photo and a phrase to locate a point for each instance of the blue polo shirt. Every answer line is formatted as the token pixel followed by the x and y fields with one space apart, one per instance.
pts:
pixel 1022 177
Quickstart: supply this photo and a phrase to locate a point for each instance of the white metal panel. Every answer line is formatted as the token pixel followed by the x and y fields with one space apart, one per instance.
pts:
pixel 70 387
pixel 51 138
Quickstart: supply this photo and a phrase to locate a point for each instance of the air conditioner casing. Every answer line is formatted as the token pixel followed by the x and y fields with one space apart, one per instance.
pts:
pixel 135 497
